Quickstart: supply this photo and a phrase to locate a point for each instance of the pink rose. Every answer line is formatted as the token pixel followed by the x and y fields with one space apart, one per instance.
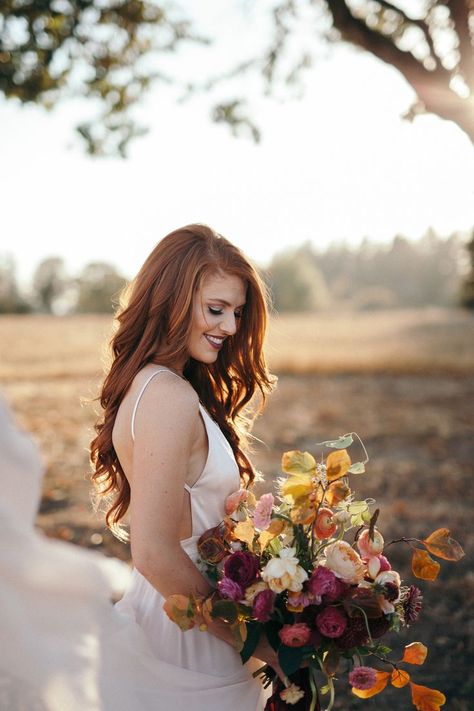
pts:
pixel 331 622
pixel 263 512
pixel 263 605
pixel 296 635
pixel 322 581
pixel 230 589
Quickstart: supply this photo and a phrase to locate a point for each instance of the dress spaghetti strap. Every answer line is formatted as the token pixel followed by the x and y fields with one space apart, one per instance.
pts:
pixel 163 370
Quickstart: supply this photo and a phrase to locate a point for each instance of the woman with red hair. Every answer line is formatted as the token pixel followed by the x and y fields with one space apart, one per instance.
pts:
pixel 187 357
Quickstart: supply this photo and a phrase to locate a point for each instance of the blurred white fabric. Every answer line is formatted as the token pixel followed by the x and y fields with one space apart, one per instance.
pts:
pixel 63 645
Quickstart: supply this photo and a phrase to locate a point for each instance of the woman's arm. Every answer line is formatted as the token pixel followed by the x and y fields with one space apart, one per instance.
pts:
pixel 166 426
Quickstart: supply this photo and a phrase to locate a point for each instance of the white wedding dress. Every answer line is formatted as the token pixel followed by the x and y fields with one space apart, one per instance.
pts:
pixel 63 647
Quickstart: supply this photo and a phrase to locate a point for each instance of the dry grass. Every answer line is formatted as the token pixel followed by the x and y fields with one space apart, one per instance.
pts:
pixel 402 380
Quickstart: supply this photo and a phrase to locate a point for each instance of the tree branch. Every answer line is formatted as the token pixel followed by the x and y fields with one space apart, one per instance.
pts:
pixel 413 21
pixel 431 87
pixel 460 14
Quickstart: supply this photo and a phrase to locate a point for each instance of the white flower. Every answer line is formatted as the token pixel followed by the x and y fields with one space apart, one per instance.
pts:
pixel 345 562
pixel 388 576
pixel 292 694
pixel 284 572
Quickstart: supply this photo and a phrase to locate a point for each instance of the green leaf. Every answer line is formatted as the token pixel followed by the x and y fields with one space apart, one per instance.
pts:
pixel 254 630
pixel 341 443
pixel 226 610
pixel 271 630
pixel 383 650
pixel 325 689
pixel 290 658
pixel 357 468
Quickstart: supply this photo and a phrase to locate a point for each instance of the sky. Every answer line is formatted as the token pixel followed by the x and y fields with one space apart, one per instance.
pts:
pixel 336 166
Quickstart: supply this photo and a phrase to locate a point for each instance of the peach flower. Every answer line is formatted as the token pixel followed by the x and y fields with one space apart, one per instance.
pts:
pixel 345 562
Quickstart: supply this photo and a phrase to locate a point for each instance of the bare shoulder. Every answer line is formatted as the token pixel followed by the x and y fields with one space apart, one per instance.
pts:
pixel 166 399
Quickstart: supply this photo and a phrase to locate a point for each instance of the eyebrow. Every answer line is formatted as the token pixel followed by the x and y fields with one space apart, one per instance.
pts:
pixel 226 303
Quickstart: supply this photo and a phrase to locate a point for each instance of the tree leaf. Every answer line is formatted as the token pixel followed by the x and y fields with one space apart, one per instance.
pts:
pixel 340 443
pixel 426 699
pixel 440 544
pixel 415 653
pixel 225 610
pixel 290 658
pixel 180 610
pixel 423 565
pixel 399 678
pixel 244 531
pixel 275 528
pixel 337 464
pixel 357 468
pixel 331 660
pixel 254 631
pixel 381 682
pixel 296 462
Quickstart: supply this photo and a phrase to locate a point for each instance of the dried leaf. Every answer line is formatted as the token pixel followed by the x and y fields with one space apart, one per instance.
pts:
pixel 426 699
pixel 440 543
pixel 423 565
pixel 337 464
pixel 180 610
pixel 400 678
pixel 244 531
pixel 296 462
pixel 415 653
pixel 275 528
pixel 298 486
pixel 381 682
pixel 225 610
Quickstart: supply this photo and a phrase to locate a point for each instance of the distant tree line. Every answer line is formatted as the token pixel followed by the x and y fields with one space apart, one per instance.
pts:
pixel 53 291
pixel 430 271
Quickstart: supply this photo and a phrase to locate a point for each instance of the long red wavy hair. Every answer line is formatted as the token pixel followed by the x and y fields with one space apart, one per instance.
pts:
pixel 153 326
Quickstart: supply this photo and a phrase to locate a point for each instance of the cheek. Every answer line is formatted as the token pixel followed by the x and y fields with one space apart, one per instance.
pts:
pixel 200 324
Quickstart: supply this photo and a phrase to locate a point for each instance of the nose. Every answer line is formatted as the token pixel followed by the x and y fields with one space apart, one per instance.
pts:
pixel 228 325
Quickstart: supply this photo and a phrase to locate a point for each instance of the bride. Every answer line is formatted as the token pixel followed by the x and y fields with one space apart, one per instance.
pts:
pixel 187 357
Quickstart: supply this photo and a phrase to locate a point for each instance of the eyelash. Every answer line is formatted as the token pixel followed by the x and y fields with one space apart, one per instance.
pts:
pixel 218 312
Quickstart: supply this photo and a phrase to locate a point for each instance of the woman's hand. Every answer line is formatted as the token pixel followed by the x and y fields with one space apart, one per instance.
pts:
pixel 267 654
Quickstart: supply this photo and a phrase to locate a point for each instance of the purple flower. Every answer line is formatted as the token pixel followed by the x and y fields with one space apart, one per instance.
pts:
pixel 241 567
pixel 331 622
pixel 362 678
pixel 322 581
pixel 230 589
pixel 263 605
pixel 412 604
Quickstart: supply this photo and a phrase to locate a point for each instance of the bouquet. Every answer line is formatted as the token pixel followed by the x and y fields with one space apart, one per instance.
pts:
pixel 312 574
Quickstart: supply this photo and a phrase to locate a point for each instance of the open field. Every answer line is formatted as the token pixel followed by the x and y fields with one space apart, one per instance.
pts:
pixel 404 381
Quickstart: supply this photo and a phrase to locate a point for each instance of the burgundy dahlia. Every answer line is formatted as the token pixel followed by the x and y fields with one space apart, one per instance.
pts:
pixel 355 634
pixel 241 567
pixel 412 604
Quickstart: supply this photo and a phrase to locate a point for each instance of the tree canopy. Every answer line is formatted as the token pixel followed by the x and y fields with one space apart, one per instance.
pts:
pixel 109 51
